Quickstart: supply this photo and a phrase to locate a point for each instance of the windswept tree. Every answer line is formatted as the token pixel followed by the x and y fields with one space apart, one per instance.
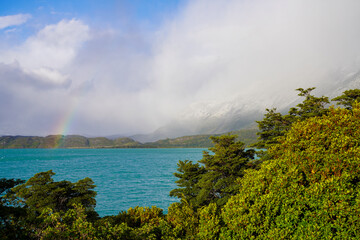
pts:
pixel 271 127
pixel 213 180
pixel 348 98
pixel 311 106
pixel 275 125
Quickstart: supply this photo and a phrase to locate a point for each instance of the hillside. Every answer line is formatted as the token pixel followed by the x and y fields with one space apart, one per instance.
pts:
pixel 60 141
pixel 248 136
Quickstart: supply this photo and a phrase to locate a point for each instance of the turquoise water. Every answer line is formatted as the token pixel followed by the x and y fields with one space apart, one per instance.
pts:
pixel 124 177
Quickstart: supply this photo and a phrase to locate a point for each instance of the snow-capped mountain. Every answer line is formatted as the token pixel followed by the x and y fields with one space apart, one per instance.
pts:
pixel 241 112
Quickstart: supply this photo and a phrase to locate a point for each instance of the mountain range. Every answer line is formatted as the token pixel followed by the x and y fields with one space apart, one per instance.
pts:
pixel 248 136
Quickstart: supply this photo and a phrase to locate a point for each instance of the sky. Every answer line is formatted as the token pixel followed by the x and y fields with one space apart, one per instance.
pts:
pixel 99 68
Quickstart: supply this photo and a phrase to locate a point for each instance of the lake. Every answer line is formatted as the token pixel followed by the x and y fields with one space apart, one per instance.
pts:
pixel 124 177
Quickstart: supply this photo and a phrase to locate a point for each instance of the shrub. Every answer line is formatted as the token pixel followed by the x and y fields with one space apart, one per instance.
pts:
pixel 309 190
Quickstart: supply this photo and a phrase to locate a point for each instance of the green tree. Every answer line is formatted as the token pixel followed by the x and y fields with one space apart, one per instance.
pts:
pixel 71 224
pixel 41 192
pixel 135 223
pixel 10 214
pixel 310 190
pixel 209 222
pixel 188 175
pixel 348 98
pixel 275 125
pixel 214 180
pixel 183 219
pixel 271 127
pixel 311 106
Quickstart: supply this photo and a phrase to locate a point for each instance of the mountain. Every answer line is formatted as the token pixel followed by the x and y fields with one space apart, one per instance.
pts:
pixel 210 118
pixel 61 141
pixel 248 136
pixel 207 119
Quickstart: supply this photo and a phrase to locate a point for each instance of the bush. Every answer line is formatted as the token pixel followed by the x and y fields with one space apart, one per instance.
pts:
pixel 309 190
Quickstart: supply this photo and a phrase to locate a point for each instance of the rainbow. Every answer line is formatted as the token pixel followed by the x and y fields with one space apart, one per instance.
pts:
pixel 63 124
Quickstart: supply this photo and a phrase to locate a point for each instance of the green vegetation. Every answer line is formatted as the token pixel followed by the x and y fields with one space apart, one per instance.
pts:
pixel 306 186
pixel 40 192
pixel 69 141
pixel 348 98
pixel 214 180
pixel 275 125
pixel 309 190
pixel 248 136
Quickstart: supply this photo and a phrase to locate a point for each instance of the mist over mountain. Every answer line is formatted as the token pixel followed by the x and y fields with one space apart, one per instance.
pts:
pixel 206 118
pixel 221 117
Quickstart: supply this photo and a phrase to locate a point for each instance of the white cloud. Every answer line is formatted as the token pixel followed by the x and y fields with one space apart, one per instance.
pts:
pixel 34 81
pixel 54 46
pixel 49 76
pixel 216 50
pixel 13 20
pixel 46 54
pixel 253 53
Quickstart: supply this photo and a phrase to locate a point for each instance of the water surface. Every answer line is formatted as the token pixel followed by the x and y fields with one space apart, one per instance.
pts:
pixel 124 177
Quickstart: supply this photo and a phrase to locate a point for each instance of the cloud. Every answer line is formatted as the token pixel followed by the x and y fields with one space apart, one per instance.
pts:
pixel 209 59
pixel 13 20
pixel 50 76
pixel 54 46
pixel 34 83
pixel 67 69
pixel 215 60
pixel 29 105
pixel 45 55
pixel 256 49
pixel 42 78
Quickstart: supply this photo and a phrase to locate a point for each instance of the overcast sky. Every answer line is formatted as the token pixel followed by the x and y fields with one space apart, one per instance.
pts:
pixel 125 67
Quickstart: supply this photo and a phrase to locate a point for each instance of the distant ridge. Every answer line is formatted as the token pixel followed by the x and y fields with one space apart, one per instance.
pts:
pixel 61 141
pixel 248 136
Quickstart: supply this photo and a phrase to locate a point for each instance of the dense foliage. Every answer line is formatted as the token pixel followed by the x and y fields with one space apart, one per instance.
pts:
pixel 275 124
pixel 9 214
pixel 214 180
pixel 348 98
pixel 307 186
pixel 310 190
pixel 41 192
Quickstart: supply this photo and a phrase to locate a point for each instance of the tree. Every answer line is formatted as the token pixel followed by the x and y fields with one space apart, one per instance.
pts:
pixel 209 222
pixel 214 180
pixel 310 190
pixel 311 106
pixel 135 223
pixel 9 214
pixel 188 175
pixel 41 192
pixel 183 219
pixel 271 127
pixel 70 224
pixel 7 184
pixel 275 125
pixel 348 98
